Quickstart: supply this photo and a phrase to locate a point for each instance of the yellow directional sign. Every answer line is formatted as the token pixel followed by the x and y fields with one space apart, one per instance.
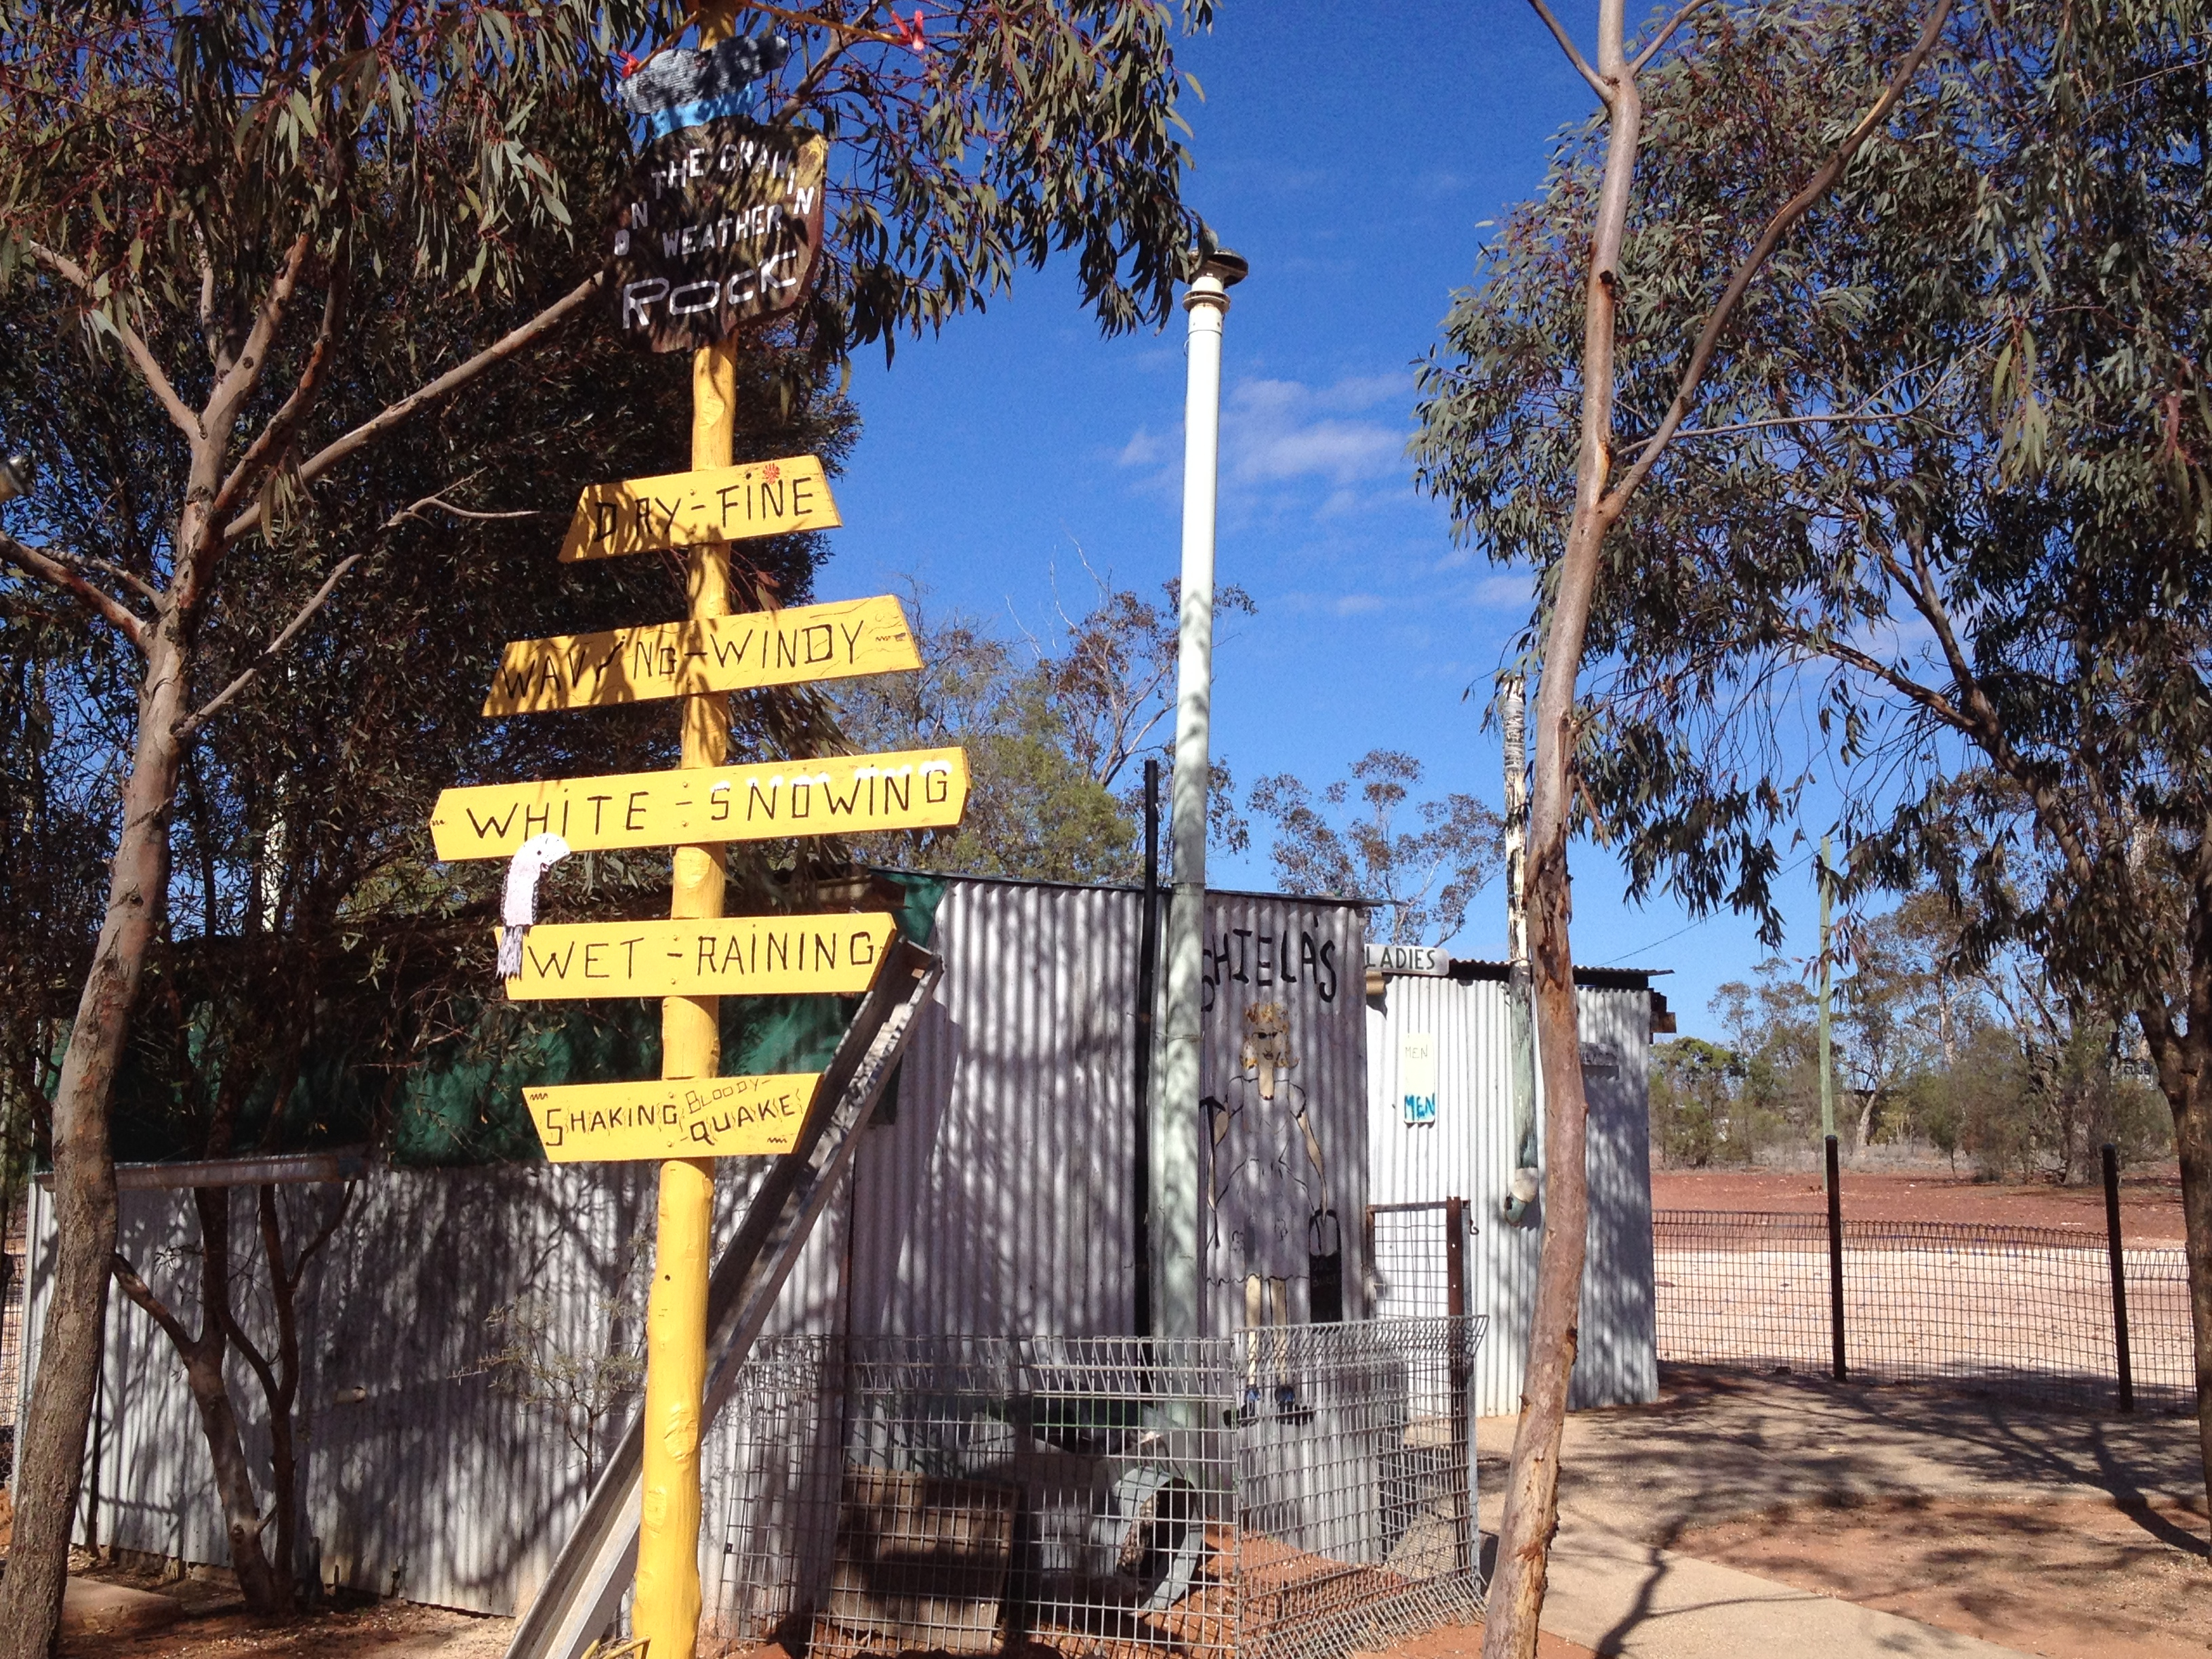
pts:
pixel 846 794
pixel 804 643
pixel 678 509
pixel 702 1117
pixel 773 955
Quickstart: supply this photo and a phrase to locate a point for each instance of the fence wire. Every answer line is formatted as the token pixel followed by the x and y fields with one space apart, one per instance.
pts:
pixel 1409 1254
pixel 1288 1493
pixel 2017 1310
pixel 11 1350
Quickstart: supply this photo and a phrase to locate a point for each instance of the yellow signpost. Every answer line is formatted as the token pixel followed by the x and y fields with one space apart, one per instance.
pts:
pixel 693 1115
pixel 837 795
pixel 687 509
pixel 756 649
pixel 703 1117
pixel 762 956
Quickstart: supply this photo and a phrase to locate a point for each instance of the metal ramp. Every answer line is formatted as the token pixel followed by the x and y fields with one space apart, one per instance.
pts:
pixel 582 1593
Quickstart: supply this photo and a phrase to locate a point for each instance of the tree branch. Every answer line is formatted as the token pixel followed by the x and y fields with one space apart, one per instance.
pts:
pixel 276 434
pixel 236 383
pixel 1574 53
pixel 141 354
pixel 1701 356
pixel 1651 48
pixel 191 723
pixel 110 608
pixel 507 346
pixel 140 1292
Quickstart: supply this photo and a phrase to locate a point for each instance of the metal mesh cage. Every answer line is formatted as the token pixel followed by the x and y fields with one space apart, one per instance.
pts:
pixel 1297 1492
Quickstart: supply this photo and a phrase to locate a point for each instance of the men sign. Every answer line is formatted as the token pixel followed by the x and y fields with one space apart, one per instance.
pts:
pixel 723 226
pixel 681 510
pixel 739 653
pixel 840 795
pixel 770 956
pixel 688 1117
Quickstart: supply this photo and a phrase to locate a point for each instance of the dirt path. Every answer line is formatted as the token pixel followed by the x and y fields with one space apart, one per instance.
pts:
pixel 2078 1578
pixel 2150 1201
pixel 2052 1532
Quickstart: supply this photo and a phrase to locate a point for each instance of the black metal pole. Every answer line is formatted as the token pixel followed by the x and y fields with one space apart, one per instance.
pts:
pixel 2119 1277
pixel 1148 961
pixel 1835 1256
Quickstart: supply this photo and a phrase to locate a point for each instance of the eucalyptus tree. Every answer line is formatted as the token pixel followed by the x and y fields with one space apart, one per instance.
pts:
pixel 1578 234
pixel 1939 536
pixel 211 196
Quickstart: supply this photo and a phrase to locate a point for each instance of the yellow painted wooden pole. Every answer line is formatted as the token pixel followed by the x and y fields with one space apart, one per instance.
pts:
pixel 665 1613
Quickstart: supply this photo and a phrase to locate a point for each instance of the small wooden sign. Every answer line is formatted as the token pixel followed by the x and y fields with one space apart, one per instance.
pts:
pixel 698 1117
pixel 723 227
pixel 845 794
pixel 733 956
pixel 804 643
pixel 676 509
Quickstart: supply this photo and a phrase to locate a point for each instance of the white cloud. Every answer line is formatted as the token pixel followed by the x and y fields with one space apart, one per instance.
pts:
pixel 1274 432
pixel 1358 605
pixel 1515 591
pixel 1145 448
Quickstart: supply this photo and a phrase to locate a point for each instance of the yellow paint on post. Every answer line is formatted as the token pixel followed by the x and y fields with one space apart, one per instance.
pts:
pixel 687 509
pixel 665 1610
pixel 703 1117
pixel 843 794
pixel 765 956
pixel 796 647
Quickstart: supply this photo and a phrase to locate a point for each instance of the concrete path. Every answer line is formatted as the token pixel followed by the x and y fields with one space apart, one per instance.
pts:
pixel 1615 1596
pixel 1719 1445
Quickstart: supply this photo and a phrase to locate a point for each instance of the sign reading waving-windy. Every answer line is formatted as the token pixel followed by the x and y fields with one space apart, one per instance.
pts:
pixel 740 653
pixel 838 795
pixel 653 515
pixel 723 226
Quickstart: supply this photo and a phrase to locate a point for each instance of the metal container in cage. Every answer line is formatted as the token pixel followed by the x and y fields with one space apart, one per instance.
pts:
pixel 1082 1494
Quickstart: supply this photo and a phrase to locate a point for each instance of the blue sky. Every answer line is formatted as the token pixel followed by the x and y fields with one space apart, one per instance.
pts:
pixel 1351 156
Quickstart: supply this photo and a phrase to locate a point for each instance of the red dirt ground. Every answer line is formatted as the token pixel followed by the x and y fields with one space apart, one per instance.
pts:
pixel 2080 1578
pixel 2150 1201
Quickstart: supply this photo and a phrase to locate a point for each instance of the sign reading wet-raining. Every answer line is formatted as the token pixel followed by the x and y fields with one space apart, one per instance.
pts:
pixel 737 956
pixel 843 794
pixel 723 226
pixel 697 1117
pixel 680 509
pixel 754 648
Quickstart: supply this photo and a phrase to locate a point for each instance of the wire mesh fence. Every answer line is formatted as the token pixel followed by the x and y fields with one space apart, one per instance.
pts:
pixel 11 1349
pixel 1287 1492
pixel 2018 1310
pixel 1411 1252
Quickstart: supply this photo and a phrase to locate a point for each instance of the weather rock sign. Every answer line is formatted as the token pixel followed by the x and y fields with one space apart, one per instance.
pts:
pixel 723 226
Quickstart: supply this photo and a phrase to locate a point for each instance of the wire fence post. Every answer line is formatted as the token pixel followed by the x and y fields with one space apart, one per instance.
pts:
pixel 2119 1277
pixel 1456 1306
pixel 1835 1256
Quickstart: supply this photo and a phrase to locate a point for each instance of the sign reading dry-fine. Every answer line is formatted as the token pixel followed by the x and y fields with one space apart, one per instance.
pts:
pixel 678 509
pixel 723 226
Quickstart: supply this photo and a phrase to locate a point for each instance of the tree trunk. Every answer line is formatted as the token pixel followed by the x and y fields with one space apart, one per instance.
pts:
pixel 1532 1491
pixel 50 1453
pixel 2193 1135
pixel 234 1479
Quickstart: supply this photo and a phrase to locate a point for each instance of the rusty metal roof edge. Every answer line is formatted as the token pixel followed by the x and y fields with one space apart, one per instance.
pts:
pixel 294 1168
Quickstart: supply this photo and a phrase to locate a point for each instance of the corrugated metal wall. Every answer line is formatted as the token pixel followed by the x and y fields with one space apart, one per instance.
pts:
pixel 431 1471
pixel 1469 1152
pixel 1272 1213
pixel 997 1202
